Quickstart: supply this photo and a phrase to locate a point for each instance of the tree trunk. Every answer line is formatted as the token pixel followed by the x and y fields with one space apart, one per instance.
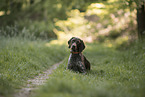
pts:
pixel 141 22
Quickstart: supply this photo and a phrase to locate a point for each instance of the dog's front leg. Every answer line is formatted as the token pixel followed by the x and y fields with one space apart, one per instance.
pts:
pixel 82 68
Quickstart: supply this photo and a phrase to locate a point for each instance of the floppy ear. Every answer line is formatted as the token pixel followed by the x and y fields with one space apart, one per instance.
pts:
pixel 69 42
pixel 82 46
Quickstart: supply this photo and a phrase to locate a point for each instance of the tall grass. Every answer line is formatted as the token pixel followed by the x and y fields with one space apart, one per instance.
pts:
pixel 21 59
pixel 32 30
pixel 113 74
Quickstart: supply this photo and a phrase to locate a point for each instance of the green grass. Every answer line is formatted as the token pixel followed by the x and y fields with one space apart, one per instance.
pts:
pixel 21 59
pixel 113 73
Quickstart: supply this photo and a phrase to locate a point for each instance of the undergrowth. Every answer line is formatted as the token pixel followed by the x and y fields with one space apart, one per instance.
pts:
pixel 114 73
pixel 21 59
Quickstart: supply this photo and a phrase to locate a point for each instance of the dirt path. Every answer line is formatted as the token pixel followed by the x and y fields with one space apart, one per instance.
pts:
pixel 34 83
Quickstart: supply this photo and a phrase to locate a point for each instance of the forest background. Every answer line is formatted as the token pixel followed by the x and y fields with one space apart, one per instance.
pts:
pixel 92 20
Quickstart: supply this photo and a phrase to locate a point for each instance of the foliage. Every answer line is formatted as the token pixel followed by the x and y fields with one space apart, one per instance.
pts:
pixel 76 25
pixel 113 74
pixel 46 10
pixel 28 15
pixel 134 3
pixel 63 19
pixel 21 59
pixel 101 22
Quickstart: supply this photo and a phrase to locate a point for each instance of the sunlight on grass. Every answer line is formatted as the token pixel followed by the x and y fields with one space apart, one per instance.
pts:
pixel 55 42
pixel 62 35
pixel 109 45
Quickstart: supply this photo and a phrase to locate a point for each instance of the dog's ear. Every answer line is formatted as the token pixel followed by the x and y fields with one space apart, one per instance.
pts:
pixel 82 46
pixel 69 42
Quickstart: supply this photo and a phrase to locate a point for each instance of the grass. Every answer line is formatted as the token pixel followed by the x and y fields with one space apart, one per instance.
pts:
pixel 114 73
pixel 21 59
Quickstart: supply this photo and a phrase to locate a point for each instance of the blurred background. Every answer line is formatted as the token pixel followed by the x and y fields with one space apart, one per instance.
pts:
pixel 119 21
pixel 110 28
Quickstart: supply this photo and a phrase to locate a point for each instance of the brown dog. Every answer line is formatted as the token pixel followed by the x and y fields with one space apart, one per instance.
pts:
pixel 77 61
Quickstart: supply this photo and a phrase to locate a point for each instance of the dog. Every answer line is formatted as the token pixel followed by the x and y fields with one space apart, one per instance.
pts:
pixel 77 61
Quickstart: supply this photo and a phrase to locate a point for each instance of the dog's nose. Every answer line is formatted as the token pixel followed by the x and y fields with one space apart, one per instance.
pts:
pixel 73 47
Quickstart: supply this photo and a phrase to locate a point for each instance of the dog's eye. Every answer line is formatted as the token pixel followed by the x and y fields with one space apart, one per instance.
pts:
pixel 73 40
pixel 77 42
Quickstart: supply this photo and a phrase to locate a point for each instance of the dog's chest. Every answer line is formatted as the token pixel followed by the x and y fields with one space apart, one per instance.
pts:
pixel 74 59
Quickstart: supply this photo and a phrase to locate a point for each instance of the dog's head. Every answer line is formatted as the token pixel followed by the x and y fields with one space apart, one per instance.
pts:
pixel 76 45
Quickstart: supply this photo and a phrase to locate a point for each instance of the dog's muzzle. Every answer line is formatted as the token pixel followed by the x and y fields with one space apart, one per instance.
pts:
pixel 73 47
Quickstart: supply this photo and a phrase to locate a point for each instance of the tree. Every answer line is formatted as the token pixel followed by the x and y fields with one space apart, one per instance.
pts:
pixel 140 6
pixel 141 21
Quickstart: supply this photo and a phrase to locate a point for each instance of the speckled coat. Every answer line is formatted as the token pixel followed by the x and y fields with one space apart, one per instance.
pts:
pixel 77 61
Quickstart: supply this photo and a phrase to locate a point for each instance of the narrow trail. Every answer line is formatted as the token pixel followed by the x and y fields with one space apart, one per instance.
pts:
pixel 34 83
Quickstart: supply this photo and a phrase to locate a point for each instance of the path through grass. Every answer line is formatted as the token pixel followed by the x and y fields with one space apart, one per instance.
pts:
pixel 22 59
pixel 113 73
